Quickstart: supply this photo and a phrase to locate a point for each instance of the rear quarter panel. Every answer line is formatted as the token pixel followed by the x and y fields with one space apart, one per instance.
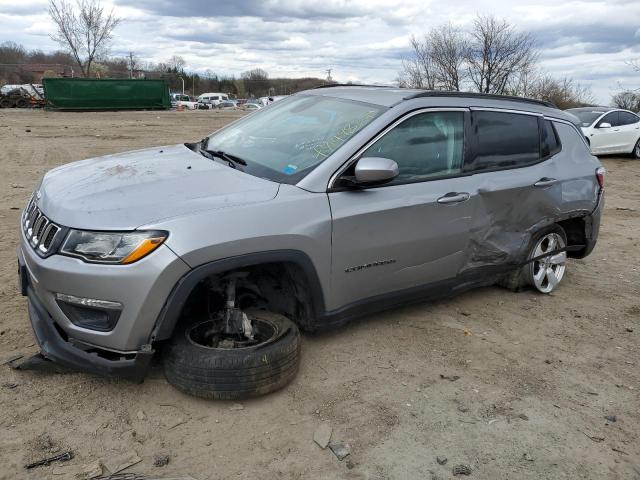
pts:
pixel 575 168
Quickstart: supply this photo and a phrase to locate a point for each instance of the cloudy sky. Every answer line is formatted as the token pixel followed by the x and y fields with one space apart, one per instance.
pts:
pixel 360 40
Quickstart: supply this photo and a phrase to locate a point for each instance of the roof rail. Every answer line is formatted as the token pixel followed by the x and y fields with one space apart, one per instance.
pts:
pixel 331 85
pixel 492 96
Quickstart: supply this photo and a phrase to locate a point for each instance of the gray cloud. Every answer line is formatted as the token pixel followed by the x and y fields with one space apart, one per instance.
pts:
pixel 361 40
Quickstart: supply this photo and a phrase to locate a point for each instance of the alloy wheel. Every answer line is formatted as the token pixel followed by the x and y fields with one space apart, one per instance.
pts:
pixel 547 272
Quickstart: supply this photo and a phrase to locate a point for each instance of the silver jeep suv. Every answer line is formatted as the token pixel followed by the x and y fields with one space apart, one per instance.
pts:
pixel 327 205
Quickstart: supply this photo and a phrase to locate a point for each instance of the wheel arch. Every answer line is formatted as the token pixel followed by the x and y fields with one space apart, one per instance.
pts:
pixel 175 302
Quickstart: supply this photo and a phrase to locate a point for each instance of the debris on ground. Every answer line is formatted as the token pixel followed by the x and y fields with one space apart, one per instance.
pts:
pixel 350 464
pixel 629 329
pixel 467 332
pixel 611 418
pixel 120 462
pixel 139 476
pixel 92 470
pixel 160 460
pixel 523 416
pixel 11 359
pixel 527 456
pixel 322 435
pixel 461 470
pixel 236 407
pixel 451 378
pixel 140 414
pixel 10 386
pixel 442 460
pixel 593 437
pixel 340 450
pixel 63 457
pixel 16 185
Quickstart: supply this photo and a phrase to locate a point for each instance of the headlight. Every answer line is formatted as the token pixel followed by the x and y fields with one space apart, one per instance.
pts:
pixel 112 247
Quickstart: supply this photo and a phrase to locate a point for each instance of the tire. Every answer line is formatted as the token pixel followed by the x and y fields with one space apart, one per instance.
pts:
pixel 21 103
pixel 525 276
pixel 5 103
pixel 234 373
pixel 635 153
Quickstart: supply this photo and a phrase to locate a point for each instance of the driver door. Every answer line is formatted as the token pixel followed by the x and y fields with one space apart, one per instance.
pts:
pixel 413 230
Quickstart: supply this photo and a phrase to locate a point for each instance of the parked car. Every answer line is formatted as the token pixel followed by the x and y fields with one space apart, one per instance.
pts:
pixel 251 106
pixel 227 105
pixel 212 99
pixel 328 205
pixel 610 130
pixel 184 100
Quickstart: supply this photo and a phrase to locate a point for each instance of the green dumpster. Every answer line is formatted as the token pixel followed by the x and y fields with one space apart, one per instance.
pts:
pixel 105 94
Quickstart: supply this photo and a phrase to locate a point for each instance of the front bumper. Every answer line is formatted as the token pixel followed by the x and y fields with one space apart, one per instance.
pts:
pixel 56 346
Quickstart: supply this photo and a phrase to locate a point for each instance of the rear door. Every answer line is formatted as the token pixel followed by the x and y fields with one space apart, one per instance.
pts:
pixel 414 230
pixel 517 187
pixel 629 125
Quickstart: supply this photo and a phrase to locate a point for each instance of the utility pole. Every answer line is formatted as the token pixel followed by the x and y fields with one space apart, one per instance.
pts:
pixel 130 64
pixel 329 79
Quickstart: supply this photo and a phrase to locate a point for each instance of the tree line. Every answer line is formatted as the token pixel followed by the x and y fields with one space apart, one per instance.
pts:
pixel 491 56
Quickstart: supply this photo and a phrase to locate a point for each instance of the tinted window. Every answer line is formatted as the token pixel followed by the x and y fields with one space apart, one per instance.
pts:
pixel 550 140
pixel 626 118
pixel 611 118
pixel 505 140
pixel 424 146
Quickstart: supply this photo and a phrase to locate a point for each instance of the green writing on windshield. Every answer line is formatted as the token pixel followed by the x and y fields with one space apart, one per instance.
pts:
pixel 324 149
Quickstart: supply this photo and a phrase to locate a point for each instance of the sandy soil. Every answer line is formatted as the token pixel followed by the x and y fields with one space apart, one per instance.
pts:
pixel 537 375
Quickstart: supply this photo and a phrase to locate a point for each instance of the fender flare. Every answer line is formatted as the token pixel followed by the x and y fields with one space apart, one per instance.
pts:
pixel 170 313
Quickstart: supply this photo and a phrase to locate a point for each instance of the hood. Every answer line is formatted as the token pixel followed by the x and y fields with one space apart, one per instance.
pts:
pixel 125 191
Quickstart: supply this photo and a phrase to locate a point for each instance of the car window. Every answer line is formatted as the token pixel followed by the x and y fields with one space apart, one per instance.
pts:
pixel 424 146
pixel 550 140
pixel 611 118
pixel 626 118
pixel 505 140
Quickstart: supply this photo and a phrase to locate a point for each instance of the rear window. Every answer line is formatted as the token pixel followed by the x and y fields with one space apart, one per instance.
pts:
pixel 626 118
pixel 505 140
pixel 550 140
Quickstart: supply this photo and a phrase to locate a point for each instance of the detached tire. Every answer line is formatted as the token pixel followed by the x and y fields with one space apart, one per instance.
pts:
pixel 234 373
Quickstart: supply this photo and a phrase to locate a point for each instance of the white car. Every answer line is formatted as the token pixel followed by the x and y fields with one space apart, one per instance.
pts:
pixel 184 100
pixel 609 130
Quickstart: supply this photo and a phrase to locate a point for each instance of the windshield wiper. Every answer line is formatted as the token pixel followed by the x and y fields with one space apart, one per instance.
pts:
pixel 231 160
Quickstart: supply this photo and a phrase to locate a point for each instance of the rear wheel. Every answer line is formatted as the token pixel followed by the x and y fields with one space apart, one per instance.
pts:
pixel 545 273
pixel 201 360
pixel 636 150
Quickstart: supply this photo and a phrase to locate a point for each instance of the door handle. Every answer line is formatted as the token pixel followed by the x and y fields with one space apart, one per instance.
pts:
pixel 454 197
pixel 545 182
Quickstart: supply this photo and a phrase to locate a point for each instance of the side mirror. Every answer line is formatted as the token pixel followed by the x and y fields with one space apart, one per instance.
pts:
pixel 375 171
pixel 604 125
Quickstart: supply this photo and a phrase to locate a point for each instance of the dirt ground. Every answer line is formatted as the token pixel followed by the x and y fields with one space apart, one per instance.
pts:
pixel 537 374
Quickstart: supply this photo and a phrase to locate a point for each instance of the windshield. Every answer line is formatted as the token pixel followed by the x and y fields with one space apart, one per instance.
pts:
pixel 586 117
pixel 287 140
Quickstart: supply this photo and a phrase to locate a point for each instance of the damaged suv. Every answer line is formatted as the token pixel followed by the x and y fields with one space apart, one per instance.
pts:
pixel 325 206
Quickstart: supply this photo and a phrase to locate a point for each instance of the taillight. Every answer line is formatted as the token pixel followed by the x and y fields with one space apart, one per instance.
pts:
pixel 600 171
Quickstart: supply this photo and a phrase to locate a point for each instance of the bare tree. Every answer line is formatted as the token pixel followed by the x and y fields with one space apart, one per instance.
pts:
pixel 564 92
pixel 497 54
pixel 627 100
pixel 85 30
pixel 418 71
pixel 176 64
pixel 448 49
